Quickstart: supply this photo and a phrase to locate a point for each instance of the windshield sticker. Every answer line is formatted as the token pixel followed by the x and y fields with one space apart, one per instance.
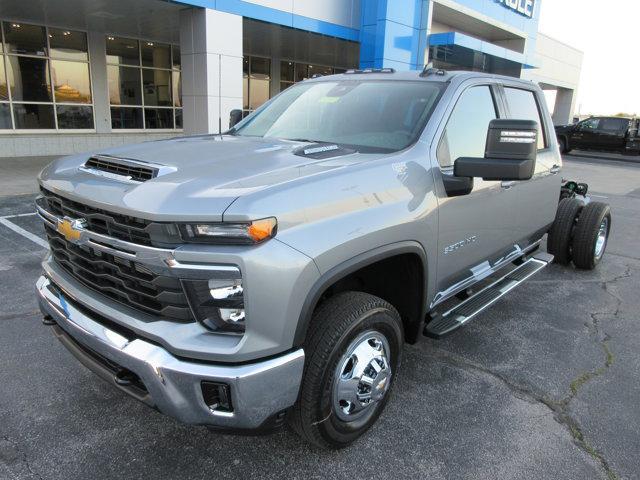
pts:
pixel 329 100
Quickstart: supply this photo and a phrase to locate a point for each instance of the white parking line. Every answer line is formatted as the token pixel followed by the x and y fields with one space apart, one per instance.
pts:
pixel 23 232
pixel 20 215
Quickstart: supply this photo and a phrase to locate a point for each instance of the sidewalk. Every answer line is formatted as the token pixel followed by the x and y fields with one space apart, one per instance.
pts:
pixel 604 156
pixel 18 174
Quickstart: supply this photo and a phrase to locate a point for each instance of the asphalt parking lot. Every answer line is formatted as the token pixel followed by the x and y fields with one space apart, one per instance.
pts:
pixel 543 385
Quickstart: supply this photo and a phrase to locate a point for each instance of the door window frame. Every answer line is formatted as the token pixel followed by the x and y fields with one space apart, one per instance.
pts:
pixel 544 128
pixel 498 103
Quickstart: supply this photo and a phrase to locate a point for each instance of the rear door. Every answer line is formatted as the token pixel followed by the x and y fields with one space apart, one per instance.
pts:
pixel 475 229
pixel 536 200
pixel 612 134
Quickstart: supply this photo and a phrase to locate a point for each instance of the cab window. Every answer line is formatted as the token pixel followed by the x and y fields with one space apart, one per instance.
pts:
pixel 611 125
pixel 589 125
pixel 524 106
pixel 466 131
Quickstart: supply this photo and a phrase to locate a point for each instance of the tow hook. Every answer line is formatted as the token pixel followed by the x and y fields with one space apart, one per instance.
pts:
pixel 48 320
pixel 125 378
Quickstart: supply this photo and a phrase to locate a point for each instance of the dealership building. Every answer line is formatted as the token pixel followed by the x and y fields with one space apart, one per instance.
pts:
pixel 80 75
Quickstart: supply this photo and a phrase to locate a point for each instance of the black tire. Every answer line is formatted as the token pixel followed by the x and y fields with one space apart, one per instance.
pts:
pixel 564 145
pixel 559 240
pixel 585 239
pixel 336 324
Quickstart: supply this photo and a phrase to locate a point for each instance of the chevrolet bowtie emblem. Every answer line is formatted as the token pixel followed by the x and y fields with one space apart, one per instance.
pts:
pixel 71 229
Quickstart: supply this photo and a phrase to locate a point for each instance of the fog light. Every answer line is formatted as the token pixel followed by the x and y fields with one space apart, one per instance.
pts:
pixel 218 304
pixel 217 396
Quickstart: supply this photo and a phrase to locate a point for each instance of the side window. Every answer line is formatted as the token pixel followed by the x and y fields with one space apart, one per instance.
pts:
pixel 523 106
pixel 610 125
pixel 590 124
pixel 466 132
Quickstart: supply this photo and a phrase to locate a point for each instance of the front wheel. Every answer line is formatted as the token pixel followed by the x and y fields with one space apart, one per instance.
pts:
pixel 352 358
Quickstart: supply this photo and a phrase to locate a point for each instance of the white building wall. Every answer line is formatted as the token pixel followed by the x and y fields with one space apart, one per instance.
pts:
pixel 559 67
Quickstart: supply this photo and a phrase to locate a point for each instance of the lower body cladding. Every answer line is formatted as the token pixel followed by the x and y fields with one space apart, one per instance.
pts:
pixel 243 397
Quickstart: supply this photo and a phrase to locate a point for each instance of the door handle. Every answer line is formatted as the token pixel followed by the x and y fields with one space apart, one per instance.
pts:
pixel 507 185
pixel 555 169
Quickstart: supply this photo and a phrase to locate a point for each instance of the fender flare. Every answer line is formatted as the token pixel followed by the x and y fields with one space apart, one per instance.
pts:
pixel 343 269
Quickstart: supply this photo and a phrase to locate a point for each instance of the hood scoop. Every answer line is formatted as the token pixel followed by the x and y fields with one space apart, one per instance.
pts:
pixel 124 169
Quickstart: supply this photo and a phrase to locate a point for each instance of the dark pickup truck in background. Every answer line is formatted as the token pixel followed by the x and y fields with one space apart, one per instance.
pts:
pixel 615 134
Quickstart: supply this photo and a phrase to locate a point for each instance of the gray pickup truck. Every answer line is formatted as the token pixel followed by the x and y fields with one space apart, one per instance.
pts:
pixel 272 274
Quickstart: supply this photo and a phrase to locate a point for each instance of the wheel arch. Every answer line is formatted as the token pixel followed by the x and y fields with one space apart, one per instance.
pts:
pixel 413 312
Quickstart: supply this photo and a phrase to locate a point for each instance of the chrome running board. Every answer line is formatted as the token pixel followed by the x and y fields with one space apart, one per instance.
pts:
pixel 456 317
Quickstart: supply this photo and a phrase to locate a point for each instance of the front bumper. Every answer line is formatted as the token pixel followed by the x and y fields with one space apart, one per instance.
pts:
pixel 259 391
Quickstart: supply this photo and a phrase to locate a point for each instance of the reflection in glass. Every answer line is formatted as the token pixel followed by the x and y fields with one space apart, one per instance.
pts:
pixel 25 39
pixel 72 117
pixel 5 116
pixel 245 93
pixel 179 118
pixel 68 44
pixel 258 92
pixel 157 88
pixel 177 89
pixel 126 118
pixel 260 67
pixel 71 81
pixel 301 72
pixel 122 50
pixel 155 55
pixel 177 60
pixel 158 118
pixel 29 79
pixel 284 86
pixel 124 86
pixel 29 117
pixel 319 70
pixel 286 72
pixel 4 90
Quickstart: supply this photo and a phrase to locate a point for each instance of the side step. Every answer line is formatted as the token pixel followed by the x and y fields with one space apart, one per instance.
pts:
pixel 465 311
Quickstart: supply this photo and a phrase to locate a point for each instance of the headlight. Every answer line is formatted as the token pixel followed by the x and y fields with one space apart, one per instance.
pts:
pixel 217 304
pixel 230 233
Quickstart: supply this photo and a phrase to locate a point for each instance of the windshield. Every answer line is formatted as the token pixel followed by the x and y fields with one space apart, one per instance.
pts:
pixel 370 116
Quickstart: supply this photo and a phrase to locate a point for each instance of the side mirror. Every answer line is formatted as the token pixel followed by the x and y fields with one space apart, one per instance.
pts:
pixel 235 117
pixel 510 153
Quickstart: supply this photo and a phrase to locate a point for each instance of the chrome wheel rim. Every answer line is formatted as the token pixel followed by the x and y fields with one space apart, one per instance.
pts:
pixel 601 240
pixel 362 377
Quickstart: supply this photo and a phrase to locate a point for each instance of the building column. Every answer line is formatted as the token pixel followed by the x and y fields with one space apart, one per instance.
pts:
pixel 565 106
pixel 394 34
pixel 211 51
pixel 97 44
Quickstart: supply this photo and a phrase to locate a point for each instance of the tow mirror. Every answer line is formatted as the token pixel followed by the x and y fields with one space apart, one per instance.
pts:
pixel 510 153
pixel 235 117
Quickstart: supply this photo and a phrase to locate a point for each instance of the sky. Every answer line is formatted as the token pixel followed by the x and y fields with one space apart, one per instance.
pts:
pixel 608 32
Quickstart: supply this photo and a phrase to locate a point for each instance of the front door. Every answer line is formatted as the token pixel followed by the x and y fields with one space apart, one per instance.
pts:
pixel 475 229
pixel 584 136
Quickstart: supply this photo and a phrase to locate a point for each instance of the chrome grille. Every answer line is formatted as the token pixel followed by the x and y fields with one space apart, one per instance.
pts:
pixel 123 227
pixel 122 280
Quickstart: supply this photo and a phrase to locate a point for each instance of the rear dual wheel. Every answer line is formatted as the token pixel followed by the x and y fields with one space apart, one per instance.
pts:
pixel 580 233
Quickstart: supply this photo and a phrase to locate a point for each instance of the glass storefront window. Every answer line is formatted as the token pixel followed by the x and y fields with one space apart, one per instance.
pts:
pixel 4 89
pixel 144 74
pixel 29 79
pixel 72 117
pixel 156 85
pixel 5 116
pixel 47 76
pixel 68 44
pixel 122 51
pixel 287 72
pixel 155 55
pixel 71 82
pixel 34 116
pixel 256 82
pixel 158 118
pixel 129 118
pixel 24 39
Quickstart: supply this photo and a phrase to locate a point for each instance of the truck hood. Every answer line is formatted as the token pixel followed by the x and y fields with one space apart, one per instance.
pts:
pixel 206 174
